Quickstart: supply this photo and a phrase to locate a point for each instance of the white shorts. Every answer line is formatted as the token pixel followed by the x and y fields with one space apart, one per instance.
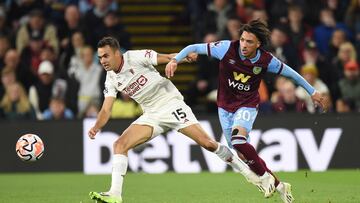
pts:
pixel 174 115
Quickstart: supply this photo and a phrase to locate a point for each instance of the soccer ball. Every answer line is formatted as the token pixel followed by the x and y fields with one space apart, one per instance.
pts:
pixel 29 147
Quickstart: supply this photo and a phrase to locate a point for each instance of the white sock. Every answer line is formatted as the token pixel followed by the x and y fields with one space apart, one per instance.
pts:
pixel 280 187
pixel 120 165
pixel 226 155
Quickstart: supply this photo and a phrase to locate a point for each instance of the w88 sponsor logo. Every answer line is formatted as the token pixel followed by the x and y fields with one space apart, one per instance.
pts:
pixel 238 85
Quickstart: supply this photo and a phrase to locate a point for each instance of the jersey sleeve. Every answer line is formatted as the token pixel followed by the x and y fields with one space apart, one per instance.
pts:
pixel 144 57
pixel 218 49
pixel 109 90
pixel 280 68
pixel 213 49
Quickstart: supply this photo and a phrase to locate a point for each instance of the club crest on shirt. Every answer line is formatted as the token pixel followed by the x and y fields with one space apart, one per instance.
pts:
pixel 232 61
pixel 257 70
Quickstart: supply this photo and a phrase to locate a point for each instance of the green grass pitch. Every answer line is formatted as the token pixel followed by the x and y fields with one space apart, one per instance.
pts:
pixel 335 186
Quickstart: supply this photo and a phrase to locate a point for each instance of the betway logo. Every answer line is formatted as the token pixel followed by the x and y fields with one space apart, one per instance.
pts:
pixel 280 152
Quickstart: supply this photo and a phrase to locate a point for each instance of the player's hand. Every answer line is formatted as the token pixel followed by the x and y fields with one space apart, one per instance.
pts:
pixel 320 101
pixel 192 57
pixel 170 68
pixel 92 132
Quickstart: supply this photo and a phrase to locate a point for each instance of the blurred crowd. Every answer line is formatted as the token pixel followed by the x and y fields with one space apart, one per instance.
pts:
pixel 49 69
pixel 318 39
pixel 48 65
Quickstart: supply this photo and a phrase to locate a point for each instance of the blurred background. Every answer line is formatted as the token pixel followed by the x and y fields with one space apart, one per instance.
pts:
pixel 52 83
pixel 49 67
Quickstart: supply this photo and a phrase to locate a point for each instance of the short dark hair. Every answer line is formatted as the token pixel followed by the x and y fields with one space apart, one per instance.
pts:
pixel 109 41
pixel 259 29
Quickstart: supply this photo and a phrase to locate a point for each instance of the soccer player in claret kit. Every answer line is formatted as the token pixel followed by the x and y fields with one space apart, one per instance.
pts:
pixel 243 63
pixel 133 73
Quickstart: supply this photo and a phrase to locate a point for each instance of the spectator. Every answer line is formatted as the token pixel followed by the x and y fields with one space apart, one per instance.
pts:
pixel 115 29
pixel 259 14
pixel 216 17
pixel 30 55
pixel 205 82
pixel 326 70
pixel 298 31
pixel 57 110
pixel 281 48
pixel 278 10
pixel 71 53
pixel 94 18
pixel 310 73
pixel 23 74
pixel 41 92
pixel 48 54
pixel 338 37
pixel 232 28
pixel 323 32
pixel 4 47
pixel 8 76
pixel 5 29
pixel 87 72
pixel 278 82
pixel 15 103
pixel 244 9
pixel 338 7
pixel 18 11
pixel 352 19
pixel 345 54
pixel 92 110
pixel 350 89
pixel 37 28
pixel 72 24
pixel 287 100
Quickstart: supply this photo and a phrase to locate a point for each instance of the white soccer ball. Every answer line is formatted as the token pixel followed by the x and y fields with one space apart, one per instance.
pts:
pixel 29 147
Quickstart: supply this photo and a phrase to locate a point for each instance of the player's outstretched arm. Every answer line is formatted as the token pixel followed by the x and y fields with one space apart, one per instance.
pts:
pixel 166 58
pixel 103 116
pixel 189 53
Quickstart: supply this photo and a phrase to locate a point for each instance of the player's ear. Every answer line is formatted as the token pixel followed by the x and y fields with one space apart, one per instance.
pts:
pixel 117 52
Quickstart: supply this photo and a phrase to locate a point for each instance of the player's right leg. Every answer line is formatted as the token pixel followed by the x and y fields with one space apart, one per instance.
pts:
pixel 134 135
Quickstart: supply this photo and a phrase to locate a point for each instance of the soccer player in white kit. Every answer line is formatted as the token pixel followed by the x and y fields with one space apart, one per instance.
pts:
pixel 133 73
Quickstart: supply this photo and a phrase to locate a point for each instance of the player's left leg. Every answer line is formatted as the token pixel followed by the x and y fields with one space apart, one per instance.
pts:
pixel 134 135
pixel 243 120
pixel 197 133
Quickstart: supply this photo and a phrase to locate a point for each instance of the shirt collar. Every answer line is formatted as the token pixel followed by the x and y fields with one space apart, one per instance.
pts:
pixel 252 60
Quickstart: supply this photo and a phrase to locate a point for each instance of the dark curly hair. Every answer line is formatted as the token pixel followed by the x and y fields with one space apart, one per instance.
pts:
pixel 259 29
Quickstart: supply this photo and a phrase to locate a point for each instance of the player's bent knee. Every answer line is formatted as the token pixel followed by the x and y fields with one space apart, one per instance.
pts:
pixel 237 139
pixel 121 146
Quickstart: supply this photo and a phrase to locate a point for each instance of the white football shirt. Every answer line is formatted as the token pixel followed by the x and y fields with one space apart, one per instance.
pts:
pixel 140 80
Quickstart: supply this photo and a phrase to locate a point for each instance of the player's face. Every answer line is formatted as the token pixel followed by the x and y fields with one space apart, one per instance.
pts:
pixel 108 58
pixel 248 44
